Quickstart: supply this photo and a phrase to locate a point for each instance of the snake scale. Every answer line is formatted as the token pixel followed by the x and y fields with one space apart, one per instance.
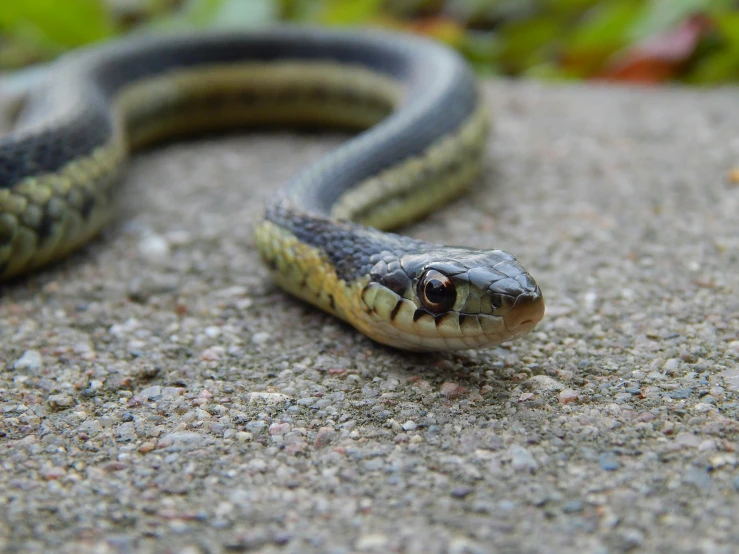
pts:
pixel 421 128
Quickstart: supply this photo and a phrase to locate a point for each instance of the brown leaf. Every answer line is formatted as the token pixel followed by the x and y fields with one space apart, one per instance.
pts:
pixel 443 29
pixel 658 58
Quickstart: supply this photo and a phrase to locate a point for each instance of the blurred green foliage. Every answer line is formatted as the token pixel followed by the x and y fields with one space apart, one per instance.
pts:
pixel 695 41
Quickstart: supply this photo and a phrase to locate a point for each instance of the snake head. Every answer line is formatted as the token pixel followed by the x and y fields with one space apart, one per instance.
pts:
pixel 451 298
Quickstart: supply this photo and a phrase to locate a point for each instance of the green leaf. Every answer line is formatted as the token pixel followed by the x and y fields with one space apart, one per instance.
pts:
pixel 721 67
pixel 343 12
pixel 527 43
pixel 570 6
pixel 480 46
pixel 607 25
pixel 728 26
pixel 55 24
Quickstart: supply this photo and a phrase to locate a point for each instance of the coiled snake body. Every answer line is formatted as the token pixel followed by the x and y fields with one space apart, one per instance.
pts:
pixel 423 131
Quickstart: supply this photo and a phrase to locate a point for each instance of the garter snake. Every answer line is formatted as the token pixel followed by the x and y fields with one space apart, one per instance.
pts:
pixel 421 131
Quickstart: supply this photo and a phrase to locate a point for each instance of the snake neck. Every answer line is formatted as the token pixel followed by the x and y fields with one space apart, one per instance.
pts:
pixel 349 248
pixel 59 168
pixel 323 261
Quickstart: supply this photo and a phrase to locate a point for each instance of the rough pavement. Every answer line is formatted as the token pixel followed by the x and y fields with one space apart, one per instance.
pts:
pixel 158 393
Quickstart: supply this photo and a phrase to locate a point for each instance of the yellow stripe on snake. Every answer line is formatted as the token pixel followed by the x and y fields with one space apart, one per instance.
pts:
pixel 421 132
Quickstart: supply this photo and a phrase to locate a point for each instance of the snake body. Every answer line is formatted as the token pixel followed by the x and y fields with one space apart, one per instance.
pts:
pixel 422 131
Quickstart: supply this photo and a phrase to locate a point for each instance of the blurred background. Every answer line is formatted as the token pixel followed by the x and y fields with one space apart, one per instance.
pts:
pixel 646 41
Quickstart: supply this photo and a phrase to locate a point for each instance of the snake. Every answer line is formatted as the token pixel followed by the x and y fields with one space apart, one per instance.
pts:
pixel 419 127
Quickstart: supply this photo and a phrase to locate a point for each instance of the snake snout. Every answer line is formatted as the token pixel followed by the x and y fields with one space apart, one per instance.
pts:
pixel 527 311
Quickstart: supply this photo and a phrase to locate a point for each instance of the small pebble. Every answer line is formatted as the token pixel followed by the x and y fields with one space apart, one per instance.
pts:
pixel 150 392
pixel 671 366
pixel 687 439
pixel 372 542
pixel 182 437
pixel 568 396
pixel 324 437
pixel 60 401
pixel 631 537
pixel 409 425
pixel 698 477
pixel 462 491
pixel 543 384
pixel 213 354
pixel 260 338
pixel 256 427
pixel 142 288
pixel 451 390
pixel 54 473
pixel 268 397
pixel 731 379
pixel 608 461
pixel 723 459
pixel 30 360
pixel 522 459
pixel 279 428
pixel 573 507
pixel 681 393
pixel 154 248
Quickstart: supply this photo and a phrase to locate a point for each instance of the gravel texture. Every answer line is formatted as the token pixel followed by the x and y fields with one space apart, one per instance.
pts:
pixel 159 394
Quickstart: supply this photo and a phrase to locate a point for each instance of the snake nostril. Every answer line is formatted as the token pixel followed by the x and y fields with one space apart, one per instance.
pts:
pixel 526 312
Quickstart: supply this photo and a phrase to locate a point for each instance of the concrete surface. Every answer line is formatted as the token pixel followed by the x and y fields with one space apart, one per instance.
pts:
pixel 159 394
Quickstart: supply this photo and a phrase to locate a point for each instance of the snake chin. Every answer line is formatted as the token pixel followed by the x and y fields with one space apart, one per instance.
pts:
pixel 450 299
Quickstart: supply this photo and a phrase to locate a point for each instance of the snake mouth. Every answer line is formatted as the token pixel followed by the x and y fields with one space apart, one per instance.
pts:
pixel 526 313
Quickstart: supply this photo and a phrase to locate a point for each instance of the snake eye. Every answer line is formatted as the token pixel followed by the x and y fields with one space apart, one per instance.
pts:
pixel 436 291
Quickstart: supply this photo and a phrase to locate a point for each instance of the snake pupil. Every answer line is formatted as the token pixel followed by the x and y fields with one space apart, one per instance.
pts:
pixel 437 291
